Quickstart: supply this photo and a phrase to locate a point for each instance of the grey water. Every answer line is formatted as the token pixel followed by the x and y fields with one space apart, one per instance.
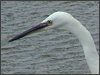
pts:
pixel 46 52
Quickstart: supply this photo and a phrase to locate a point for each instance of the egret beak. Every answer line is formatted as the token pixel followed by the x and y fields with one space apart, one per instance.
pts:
pixel 33 29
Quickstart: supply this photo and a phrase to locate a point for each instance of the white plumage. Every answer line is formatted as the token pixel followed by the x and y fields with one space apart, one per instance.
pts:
pixel 66 21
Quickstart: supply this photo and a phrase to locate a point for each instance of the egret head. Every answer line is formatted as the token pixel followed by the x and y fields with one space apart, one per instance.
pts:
pixel 57 19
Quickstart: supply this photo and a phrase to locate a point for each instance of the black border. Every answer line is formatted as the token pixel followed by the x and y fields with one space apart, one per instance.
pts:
pixel 47 0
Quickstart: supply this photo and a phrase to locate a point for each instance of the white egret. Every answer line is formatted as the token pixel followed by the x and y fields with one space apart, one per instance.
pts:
pixel 66 21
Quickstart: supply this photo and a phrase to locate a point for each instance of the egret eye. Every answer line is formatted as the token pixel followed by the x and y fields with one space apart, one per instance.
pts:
pixel 49 22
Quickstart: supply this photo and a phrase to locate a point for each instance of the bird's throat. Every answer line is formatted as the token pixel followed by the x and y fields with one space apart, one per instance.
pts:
pixel 88 45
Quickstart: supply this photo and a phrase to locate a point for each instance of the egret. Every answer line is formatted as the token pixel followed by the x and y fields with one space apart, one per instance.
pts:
pixel 65 20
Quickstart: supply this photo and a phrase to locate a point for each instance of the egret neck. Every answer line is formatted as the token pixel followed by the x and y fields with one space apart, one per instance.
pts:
pixel 84 36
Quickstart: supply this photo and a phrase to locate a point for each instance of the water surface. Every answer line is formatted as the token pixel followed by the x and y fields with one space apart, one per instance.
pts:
pixel 52 51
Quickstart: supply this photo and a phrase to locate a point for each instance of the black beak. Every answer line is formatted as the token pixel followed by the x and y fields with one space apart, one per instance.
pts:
pixel 33 29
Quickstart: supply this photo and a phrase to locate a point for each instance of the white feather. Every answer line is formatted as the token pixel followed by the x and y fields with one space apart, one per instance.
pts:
pixel 66 21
